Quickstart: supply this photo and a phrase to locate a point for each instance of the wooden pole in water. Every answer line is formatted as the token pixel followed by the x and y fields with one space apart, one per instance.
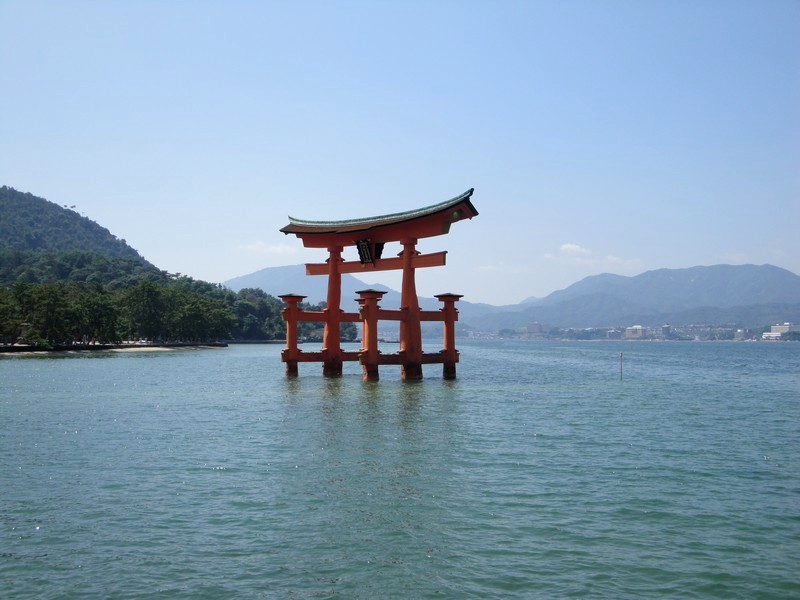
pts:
pixel 620 366
pixel 410 331
pixel 331 341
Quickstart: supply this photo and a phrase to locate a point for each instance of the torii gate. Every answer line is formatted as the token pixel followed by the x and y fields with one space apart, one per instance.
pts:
pixel 369 235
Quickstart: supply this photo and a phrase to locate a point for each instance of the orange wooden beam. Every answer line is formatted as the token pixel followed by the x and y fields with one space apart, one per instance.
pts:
pixel 321 316
pixel 435 259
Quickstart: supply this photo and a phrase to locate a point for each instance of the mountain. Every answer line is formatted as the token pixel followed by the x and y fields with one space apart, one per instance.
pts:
pixel 293 279
pixel 666 290
pixel 33 224
pixel 64 279
pixel 41 242
pixel 744 295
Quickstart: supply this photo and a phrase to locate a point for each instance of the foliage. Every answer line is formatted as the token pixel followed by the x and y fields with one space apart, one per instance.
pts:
pixel 174 312
pixel 312 331
pixel 29 266
pixel 168 309
pixel 258 316
pixel 66 280
pixel 33 224
pixel 58 313
pixel 185 310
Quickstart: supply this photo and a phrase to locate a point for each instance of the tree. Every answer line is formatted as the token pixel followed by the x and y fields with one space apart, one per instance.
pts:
pixel 10 321
pixel 103 316
pixel 348 332
pixel 47 312
pixel 143 309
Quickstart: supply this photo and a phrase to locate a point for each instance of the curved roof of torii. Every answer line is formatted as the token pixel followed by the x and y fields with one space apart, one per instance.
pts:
pixel 423 222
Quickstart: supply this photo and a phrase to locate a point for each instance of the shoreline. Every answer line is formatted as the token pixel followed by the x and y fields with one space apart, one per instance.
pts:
pixel 89 348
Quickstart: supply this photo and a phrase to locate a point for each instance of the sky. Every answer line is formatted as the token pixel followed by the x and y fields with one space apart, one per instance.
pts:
pixel 600 136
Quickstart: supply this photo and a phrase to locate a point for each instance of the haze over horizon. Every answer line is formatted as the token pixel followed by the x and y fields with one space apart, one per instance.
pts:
pixel 612 137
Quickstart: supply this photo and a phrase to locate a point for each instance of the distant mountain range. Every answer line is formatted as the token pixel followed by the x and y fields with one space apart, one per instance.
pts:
pixel 741 295
pixel 42 241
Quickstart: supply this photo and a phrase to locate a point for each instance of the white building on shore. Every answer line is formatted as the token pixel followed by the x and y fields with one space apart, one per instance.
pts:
pixel 776 331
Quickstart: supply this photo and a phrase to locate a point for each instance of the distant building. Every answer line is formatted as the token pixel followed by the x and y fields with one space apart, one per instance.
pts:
pixel 785 328
pixel 636 332
pixel 666 331
pixel 614 334
pixel 776 331
pixel 535 328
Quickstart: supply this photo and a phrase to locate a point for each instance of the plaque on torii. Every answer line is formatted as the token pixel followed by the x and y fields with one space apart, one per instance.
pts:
pixel 369 236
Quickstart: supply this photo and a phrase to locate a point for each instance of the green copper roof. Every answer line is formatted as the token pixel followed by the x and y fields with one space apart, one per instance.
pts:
pixel 305 226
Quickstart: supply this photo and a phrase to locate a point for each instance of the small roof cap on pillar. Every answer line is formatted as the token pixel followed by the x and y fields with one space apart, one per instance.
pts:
pixel 448 296
pixel 292 295
pixel 372 292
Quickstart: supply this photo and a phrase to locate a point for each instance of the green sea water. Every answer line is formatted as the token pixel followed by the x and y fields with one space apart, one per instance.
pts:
pixel 536 474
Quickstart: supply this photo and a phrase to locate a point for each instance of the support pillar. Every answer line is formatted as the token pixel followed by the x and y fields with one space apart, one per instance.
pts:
pixel 369 352
pixel 410 331
pixel 331 346
pixel 290 314
pixel 449 353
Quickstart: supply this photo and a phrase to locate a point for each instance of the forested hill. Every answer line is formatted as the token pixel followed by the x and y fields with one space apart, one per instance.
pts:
pixel 33 224
pixel 67 281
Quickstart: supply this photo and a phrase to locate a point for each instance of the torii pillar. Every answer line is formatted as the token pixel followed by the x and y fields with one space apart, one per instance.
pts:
pixel 331 340
pixel 410 329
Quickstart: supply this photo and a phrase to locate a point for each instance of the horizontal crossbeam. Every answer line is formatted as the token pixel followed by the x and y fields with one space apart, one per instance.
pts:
pixel 435 259
pixel 428 358
pixel 322 316
pixel 302 356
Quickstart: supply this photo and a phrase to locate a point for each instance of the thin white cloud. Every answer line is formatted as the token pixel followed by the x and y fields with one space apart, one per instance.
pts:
pixel 573 250
pixel 263 249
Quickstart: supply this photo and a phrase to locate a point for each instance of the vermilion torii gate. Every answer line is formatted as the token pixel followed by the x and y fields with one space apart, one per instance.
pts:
pixel 369 236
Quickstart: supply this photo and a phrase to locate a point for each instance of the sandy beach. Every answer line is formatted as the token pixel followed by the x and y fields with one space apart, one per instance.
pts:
pixel 28 351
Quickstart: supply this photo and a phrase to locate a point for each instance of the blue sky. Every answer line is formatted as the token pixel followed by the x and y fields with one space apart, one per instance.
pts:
pixel 617 136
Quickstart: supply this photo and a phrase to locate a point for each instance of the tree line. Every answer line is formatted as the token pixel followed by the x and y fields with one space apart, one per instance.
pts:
pixel 179 309
pixel 29 266
pixel 64 280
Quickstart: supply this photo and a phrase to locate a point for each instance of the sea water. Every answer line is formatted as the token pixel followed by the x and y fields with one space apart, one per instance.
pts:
pixel 538 473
